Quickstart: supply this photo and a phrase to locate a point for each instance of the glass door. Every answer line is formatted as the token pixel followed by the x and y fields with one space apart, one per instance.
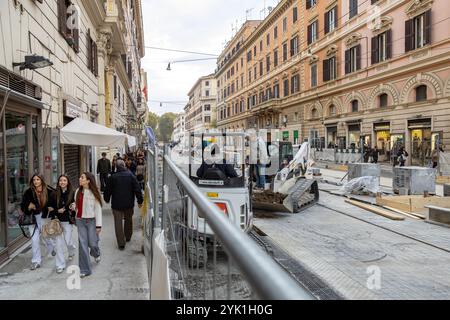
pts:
pixel 420 146
pixel 17 169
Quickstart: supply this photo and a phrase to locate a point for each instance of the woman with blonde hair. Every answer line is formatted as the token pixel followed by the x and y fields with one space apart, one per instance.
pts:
pixel 88 207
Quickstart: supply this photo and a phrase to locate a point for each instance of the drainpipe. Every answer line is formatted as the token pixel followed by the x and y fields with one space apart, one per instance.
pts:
pixel 5 100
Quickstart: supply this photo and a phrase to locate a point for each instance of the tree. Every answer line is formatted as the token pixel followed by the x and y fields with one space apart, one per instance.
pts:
pixel 152 121
pixel 165 126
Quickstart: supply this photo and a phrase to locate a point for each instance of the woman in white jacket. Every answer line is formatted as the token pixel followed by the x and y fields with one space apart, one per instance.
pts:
pixel 88 207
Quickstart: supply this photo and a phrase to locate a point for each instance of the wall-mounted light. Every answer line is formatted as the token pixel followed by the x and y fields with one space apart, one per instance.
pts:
pixel 33 62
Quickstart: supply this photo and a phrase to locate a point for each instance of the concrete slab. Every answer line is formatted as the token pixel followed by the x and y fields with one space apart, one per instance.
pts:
pixel 120 275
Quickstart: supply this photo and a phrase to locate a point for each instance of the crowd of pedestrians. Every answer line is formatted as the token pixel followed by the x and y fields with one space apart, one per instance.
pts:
pixel 120 181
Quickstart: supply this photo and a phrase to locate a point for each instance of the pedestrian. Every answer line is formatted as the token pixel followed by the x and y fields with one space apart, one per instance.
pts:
pixel 435 157
pixel 402 156
pixel 63 200
pixel 113 165
pixel 375 155
pixel 88 207
pixel 36 201
pixel 121 189
pixel 104 169
pixel 366 153
pixel 140 172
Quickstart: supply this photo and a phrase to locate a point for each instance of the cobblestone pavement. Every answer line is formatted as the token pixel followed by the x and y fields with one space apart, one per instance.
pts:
pixel 346 246
pixel 120 275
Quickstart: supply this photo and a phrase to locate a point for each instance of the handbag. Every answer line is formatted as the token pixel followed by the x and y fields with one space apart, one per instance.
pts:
pixel 26 220
pixel 52 229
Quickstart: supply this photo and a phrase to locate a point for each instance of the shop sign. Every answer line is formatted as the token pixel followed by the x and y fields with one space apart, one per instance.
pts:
pixel 72 110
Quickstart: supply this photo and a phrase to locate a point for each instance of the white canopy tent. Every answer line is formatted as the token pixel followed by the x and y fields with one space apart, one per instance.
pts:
pixel 85 133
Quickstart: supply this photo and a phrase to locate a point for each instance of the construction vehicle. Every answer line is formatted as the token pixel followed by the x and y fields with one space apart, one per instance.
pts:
pixel 289 190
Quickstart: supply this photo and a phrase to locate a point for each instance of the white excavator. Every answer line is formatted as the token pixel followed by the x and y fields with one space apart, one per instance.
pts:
pixel 290 189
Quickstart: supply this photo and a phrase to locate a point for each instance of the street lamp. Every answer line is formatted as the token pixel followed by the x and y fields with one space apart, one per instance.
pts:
pixel 33 62
pixel 169 68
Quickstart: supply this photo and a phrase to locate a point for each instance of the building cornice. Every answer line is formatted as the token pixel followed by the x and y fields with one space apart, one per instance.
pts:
pixel 95 10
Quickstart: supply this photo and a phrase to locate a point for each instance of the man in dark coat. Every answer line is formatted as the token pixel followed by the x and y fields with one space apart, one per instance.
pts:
pixel 104 169
pixel 121 189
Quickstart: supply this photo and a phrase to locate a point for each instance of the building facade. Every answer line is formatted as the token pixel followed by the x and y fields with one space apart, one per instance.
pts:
pixel 201 109
pixel 84 40
pixel 179 127
pixel 338 73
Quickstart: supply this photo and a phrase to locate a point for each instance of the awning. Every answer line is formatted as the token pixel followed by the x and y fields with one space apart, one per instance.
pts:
pixel 131 141
pixel 85 133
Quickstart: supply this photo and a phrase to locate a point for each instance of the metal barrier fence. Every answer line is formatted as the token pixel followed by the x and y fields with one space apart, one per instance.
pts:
pixel 223 264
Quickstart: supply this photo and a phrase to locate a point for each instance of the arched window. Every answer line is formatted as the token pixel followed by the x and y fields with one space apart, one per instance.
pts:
pixel 383 100
pixel 314 114
pixel 332 110
pixel 355 106
pixel 421 93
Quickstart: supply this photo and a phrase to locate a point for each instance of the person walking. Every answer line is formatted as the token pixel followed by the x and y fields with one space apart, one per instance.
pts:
pixel 140 172
pixel 375 153
pixel 36 201
pixel 63 200
pixel 104 169
pixel 88 207
pixel 402 155
pixel 121 190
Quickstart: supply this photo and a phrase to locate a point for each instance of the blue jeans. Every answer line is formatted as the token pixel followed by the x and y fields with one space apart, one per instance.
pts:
pixel 260 176
pixel 87 239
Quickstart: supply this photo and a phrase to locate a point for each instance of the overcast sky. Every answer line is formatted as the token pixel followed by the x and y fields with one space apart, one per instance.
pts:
pixel 190 25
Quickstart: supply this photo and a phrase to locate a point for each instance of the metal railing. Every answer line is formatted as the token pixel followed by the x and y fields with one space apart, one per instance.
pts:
pixel 227 264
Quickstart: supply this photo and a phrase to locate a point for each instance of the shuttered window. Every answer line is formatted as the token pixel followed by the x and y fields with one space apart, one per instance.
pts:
pixel 314 75
pixel 313 29
pixel 353 8
pixel 418 31
pixel 67 28
pixel 382 47
pixel 329 69
pixel 353 59
pixel 286 87
pixel 331 20
pixel 92 54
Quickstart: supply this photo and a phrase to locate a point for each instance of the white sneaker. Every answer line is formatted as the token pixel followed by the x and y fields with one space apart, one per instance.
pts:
pixel 34 266
pixel 98 259
pixel 59 270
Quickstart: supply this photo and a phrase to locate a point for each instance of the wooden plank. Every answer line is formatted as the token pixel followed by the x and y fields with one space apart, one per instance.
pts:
pixel 393 204
pixel 376 210
pixel 403 213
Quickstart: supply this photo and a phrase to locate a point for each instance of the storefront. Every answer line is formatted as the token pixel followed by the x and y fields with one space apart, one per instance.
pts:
pixel 285 136
pixel 354 135
pixel 420 141
pixel 383 140
pixel 20 158
pixel 332 139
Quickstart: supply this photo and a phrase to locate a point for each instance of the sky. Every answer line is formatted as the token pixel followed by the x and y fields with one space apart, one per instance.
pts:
pixel 190 25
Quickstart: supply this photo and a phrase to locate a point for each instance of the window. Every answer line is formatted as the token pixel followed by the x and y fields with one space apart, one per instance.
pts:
pixel 314 75
pixel 331 20
pixel 418 31
pixel 294 46
pixel 332 110
pixel 268 94
pixel 115 87
pixel 310 3
pixel 249 76
pixel 285 52
pixel 382 47
pixel 353 8
pixel 232 71
pixel 268 63
pixel 260 46
pixel 295 84
pixel 67 11
pixel 207 119
pixel 92 54
pixel 249 56
pixel 286 87
pixel 275 32
pixel 261 68
pixel 421 93
pixel 207 83
pixel 268 39
pixel 255 71
pixel 284 24
pixel 353 59
pixel 312 32
pixel 207 93
pixel 241 106
pixel 207 107
pixel 383 100
pixel 294 15
pixel 355 106
pixel 275 58
pixel 254 51
pixel 276 91
pixel 329 69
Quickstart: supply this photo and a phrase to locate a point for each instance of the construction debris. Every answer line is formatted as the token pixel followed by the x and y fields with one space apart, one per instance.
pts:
pixel 361 185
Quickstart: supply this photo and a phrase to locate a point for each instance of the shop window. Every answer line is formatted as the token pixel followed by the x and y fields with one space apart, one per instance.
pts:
pixel 383 100
pixel 421 93
pixel 355 106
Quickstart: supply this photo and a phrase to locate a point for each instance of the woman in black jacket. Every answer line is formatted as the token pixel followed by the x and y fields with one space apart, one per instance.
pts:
pixel 37 201
pixel 62 200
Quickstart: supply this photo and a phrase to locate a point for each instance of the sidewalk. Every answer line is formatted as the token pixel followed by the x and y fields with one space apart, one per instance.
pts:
pixel 120 274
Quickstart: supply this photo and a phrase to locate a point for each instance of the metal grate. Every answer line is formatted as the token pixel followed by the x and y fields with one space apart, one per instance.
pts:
pixel 4 79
